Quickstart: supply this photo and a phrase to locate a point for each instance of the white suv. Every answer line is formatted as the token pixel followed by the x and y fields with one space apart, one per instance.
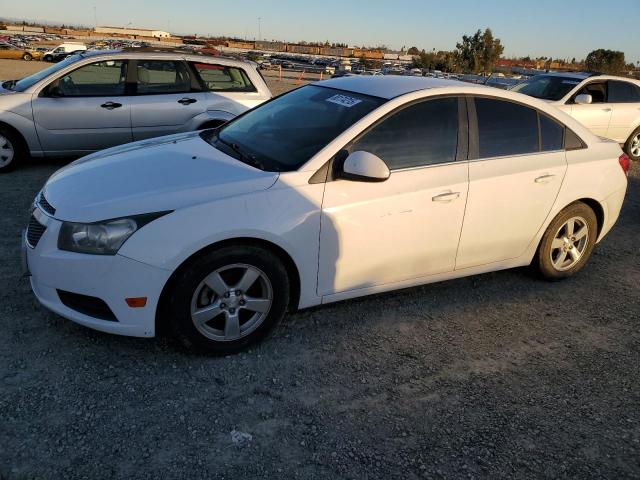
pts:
pixel 609 106
pixel 101 99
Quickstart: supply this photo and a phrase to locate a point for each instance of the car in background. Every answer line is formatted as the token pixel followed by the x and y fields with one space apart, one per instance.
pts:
pixel 500 81
pixel 608 105
pixel 63 48
pixel 57 57
pixel 9 51
pixel 99 99
pixel 335 190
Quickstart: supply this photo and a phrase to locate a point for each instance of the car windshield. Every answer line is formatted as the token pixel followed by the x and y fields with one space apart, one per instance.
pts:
pixel 26 82
pixel 547 87
pixel 283 134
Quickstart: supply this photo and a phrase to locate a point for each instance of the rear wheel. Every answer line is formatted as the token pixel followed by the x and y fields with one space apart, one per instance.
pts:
pixel 632 147
pixel 48 58
pixel 11 150
pixel 568 242
pixel 27 57
pixel 229 299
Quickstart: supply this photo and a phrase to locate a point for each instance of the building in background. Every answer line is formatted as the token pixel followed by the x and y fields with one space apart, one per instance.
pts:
pixel 137 32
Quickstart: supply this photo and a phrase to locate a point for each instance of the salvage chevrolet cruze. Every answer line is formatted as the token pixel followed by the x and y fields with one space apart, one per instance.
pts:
pixel 338 189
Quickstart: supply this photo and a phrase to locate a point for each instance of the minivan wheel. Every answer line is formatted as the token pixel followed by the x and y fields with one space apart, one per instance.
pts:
pixel 632 147
pixel 11 150
pixel 568 242
pixel 228 299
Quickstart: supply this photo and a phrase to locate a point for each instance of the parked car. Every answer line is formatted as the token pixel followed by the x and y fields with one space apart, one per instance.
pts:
pixel 99 99
pixel 338 189
pixel 15 53
pixel 50 55
pixel 609 106
pixel 57 57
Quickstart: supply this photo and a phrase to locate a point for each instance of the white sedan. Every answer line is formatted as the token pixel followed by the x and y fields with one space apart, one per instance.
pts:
pixel 339 189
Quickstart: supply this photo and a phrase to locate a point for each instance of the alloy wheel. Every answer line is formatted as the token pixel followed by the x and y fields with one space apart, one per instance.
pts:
pixel 7 152
pixel 231 302
pixel 635 146
pixel 569 243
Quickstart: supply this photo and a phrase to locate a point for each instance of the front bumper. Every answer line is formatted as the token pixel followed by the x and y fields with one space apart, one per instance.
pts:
pixel 109 278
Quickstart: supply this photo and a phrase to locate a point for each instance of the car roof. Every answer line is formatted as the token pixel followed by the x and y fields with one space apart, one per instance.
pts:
pixel 576 75
pixel 388 86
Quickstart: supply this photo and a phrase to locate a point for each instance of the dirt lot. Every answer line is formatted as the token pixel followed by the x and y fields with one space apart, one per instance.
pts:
pixel 495 376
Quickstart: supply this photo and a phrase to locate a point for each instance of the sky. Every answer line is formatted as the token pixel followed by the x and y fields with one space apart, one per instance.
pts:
pixel 556 28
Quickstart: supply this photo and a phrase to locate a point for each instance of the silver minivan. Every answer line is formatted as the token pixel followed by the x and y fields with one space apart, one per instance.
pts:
pixel 100 99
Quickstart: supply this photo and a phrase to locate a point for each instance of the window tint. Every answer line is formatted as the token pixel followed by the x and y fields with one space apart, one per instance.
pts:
pixel 551 134
pixel 597 90
pixel 422 134
pixel 623 92
pixel 96 79
pixel 547 87
pixel 221 78
pixel 162 76
pixel 572 141
pixel 505 128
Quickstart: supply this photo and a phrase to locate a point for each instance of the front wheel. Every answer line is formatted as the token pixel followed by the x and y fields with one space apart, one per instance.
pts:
pixel 228 299
pixel 11 150
pixel 568 242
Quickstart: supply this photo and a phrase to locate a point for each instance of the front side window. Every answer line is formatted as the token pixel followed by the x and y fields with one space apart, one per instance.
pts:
pixel 26 82
pixel 597 90
pixel 623 92
pixel 506 128
pixel 162 76
pixel 99 79
pixel 283 134
pixel 221 78
pixel 425 133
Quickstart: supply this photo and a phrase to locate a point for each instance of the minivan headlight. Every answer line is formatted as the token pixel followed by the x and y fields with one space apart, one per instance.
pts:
pixel 101 238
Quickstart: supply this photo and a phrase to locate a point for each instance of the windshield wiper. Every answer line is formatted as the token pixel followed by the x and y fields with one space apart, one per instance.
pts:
pixel 245 157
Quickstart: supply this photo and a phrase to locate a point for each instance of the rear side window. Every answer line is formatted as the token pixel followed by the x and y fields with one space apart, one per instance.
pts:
pixel 506 128
pixel 221 78
pixel 623 92
pixel 162 76
pixel 425 133
pixel 551 134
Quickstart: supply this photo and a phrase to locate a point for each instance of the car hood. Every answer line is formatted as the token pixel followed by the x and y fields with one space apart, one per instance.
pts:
pixel 156 175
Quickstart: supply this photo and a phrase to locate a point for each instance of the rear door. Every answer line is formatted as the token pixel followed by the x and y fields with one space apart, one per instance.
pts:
pixel 624 99
pixel 597 115
pixel 513 181
pixel 84 110
pixel 167 97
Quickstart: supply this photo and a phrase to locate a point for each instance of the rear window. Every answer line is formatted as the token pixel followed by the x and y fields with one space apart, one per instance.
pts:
pixel 222 78
pixel 506 128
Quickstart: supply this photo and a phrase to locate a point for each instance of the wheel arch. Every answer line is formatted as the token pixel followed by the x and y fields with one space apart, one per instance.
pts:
pixel 288 262
pixel 17 133
pixel 597 208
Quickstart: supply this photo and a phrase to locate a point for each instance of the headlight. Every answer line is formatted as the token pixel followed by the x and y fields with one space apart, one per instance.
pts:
pixel 101 238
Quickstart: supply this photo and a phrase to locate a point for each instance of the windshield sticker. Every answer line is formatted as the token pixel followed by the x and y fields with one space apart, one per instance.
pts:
pixel 344 100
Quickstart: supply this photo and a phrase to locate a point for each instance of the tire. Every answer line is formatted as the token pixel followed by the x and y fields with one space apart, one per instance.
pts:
pixel 12 150
pixel 633 145
pixel 48 58
pixel 27 57
pixel 193 299
pixel 564 250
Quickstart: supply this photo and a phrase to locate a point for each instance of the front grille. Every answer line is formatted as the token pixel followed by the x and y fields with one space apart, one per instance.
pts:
pixel 87 305
pixel 34 232
pixel 45 205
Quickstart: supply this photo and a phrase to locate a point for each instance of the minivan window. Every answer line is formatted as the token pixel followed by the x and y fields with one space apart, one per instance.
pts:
pixel 95 80
pixel 222 78
pixel 505 128
pixel 425 133
pixel 162 76
pixel 284 133
pixel 623 92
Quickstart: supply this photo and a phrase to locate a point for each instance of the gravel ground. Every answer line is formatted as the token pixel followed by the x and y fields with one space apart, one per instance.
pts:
pixel 494 376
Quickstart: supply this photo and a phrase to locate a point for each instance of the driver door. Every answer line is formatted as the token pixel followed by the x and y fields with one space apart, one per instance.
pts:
pixel 84 110
pixel 597 115
pixel 408 226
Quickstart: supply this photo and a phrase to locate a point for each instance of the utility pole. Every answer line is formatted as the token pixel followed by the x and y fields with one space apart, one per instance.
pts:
pixel 95 17
pixel 259 29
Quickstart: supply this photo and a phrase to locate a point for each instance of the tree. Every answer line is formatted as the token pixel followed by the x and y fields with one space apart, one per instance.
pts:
pixel 413 51
pixel 479 52
pixel 605 61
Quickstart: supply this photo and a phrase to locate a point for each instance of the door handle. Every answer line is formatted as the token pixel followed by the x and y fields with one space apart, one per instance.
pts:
pixel 606 109
pixel 446 197
pixel 187 101
pixel 544 178
pixel 111 105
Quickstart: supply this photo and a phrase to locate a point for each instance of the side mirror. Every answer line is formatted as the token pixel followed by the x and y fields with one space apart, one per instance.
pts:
pixel 584 99
pixel 365 167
